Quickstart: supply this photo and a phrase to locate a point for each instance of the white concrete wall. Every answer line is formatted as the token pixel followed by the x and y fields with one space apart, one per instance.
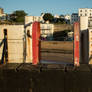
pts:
pixel 29 19
pixel 83 23
pixel 29 45
pixel 15 35
pixel 90 45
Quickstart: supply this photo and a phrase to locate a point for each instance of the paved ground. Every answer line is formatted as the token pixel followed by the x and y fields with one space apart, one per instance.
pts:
pixel 30 78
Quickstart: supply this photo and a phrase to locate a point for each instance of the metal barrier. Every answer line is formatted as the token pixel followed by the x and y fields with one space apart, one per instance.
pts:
pixel 5 48
pixel 23 46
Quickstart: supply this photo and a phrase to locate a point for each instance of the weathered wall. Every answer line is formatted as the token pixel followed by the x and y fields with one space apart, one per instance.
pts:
pixel 15 34
pixel 62 27
pixel 59 45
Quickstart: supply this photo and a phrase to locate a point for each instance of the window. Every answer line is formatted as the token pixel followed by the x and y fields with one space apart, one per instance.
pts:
pixel 80 14
pixel 80 10
pixel 85 14
pixel 85 10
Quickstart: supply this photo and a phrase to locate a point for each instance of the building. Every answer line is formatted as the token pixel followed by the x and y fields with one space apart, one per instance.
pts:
pixel 74 17
pixel 85 12
pixel 90 39
pixel 83 23
pixel 67 18
pixel 90 22
pixel 1 11
pixel 33 18
pixel 56 16
pixel 85 16
pixel 46 28
pixel 3 16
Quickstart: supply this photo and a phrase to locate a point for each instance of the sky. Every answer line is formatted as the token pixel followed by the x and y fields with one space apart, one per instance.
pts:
pixel 36 7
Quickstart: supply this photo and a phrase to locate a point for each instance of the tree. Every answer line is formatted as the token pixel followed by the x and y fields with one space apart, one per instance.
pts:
pixel 18 16
pixel 48 17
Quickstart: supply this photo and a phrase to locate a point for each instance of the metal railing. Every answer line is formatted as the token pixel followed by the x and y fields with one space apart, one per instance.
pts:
pixel 4 57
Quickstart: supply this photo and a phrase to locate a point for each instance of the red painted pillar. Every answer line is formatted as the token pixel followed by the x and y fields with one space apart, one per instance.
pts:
pixel 76 44
pixel 36 43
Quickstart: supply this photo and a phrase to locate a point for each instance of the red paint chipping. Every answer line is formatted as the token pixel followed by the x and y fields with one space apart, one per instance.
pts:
pixel 76 44
pixel 35 42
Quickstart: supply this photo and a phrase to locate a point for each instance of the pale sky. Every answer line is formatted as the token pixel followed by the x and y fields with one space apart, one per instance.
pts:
pixel 36 7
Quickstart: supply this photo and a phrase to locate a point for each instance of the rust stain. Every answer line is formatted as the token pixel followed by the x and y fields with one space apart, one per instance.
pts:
pixel 7 48
pixel 28 40
pixel 6 34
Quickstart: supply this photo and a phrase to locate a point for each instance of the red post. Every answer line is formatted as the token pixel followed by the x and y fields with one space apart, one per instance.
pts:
pixel 36 43
pixel 76 44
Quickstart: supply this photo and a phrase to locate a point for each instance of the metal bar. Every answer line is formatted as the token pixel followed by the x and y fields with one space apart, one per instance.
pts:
pixel 1 42
pixel 6 50
pixel 2 59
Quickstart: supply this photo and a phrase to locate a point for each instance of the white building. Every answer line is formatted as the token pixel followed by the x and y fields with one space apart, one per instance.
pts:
pixel 56 16
pixel 74 17
pixel 47 29
pixel 85 12
pixel 1 11
pixel 90 22
pixel 85 15
pixel 83 23
pixel 67 18
pixel 33 18
pixel 3 16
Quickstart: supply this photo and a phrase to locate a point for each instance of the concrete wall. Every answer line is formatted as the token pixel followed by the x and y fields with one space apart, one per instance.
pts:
pixel 15 34
pixel 90 45
pixel 83 23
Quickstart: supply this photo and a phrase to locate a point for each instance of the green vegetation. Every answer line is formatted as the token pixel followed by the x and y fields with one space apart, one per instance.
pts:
pixel 18 16
pixel 48 17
